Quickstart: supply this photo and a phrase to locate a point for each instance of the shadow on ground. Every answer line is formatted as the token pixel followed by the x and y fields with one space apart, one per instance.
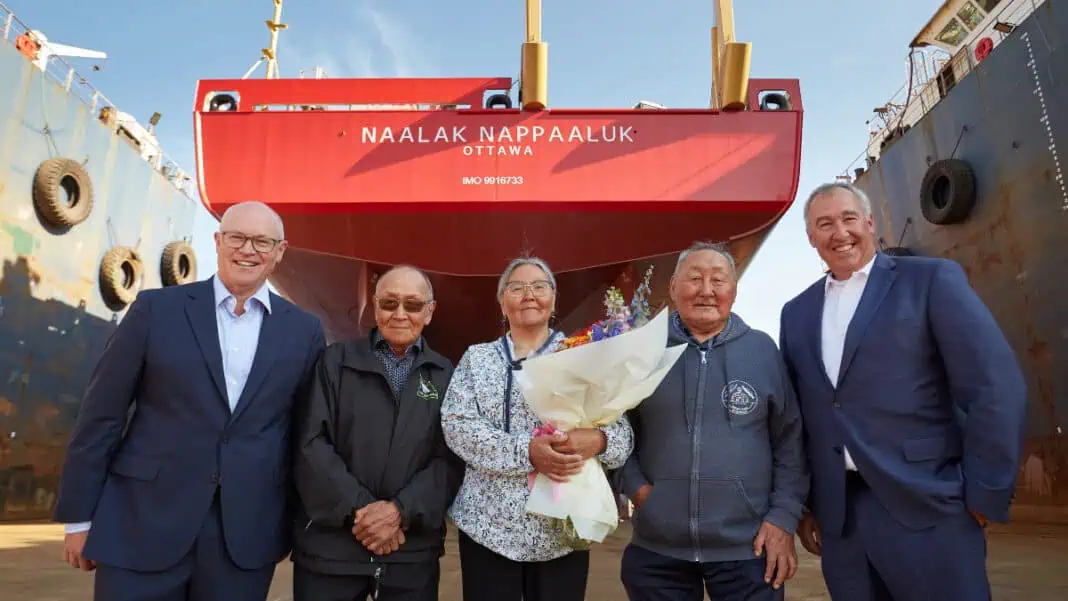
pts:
pixel 1026 562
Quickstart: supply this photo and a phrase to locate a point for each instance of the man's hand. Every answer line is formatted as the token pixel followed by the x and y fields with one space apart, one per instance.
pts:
pixel 387 546
pixel 982 519
pixel 781 554
pixel 546 460
pixel 809 533
pixel 377 527
pixel 72 551
pixel 584 442
pixel 643 493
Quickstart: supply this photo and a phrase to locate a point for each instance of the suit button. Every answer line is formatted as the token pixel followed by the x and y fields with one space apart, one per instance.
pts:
pixel 215 478
pixel 837 404
pixel 225 440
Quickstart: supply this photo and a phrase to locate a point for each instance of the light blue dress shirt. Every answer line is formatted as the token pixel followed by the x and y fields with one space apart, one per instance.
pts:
pixel 239 336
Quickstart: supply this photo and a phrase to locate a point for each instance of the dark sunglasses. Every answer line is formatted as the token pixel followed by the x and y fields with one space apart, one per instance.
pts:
pixel 410 305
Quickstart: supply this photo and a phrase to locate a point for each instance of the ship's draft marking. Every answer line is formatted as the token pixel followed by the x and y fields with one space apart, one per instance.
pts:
pixel 1026 37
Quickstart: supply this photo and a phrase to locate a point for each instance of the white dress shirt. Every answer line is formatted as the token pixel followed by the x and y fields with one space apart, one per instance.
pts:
pixel 840 301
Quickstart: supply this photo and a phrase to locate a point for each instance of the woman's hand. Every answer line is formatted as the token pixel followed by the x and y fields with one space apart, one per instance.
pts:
pixel 584 442
pixel 557 466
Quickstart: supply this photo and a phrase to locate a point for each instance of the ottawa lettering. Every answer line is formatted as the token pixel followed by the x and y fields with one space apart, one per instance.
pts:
pixel 489 150
pixel 488 136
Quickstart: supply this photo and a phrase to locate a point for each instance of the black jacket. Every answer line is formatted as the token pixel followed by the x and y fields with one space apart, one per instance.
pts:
pixel 357 445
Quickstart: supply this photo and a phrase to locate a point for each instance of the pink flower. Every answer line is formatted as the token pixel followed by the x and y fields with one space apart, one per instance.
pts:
pixel 544 430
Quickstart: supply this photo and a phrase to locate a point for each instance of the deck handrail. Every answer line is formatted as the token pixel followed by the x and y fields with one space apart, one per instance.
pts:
pixel 909 104
pixel 66 76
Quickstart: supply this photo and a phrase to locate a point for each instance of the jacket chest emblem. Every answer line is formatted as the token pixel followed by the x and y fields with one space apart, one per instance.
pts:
pixel 739 397
pixel 426 389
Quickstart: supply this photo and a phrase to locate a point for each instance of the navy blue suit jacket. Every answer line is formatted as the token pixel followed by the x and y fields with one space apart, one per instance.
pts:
pixel 148 490
pixel 930 400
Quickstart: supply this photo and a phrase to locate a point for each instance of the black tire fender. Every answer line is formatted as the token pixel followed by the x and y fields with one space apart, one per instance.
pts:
pixel 947 193
pixel 62 192
pixel 121 275
pixel 178 264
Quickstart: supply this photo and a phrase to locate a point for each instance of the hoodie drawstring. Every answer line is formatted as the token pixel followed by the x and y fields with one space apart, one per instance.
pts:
pixel 723 356
pixel 720 352
pixel 691 389
pixel 718 346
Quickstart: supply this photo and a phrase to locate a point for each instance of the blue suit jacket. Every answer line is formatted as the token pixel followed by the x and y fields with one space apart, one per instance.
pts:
pixel 930 398
pixel 148 490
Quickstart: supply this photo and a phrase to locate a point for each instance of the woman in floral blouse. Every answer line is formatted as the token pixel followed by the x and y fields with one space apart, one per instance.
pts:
pixel 506 553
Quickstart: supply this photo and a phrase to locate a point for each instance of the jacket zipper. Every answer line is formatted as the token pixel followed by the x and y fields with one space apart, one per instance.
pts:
pixel 695 499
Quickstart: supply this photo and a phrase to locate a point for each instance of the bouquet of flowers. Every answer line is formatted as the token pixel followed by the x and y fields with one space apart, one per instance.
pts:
pixel 597 376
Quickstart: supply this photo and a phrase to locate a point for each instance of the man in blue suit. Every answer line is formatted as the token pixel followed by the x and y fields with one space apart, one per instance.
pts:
pixel 189 497
pixel 914 411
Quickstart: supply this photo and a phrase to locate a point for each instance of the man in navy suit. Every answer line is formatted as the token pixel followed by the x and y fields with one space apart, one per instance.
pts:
pixel 914 412
pixel 190 497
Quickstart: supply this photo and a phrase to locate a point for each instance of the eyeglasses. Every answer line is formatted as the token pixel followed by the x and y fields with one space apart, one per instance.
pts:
pixel 411 305
pixel 539 288
pixel 261 244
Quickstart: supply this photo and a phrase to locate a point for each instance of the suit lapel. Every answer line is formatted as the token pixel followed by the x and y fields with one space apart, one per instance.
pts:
pixel 271 338
pixel 200 310
pixel 879 281
pixel 815 332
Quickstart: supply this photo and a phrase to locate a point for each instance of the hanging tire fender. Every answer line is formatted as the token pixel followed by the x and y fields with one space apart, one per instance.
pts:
pixel 178 264
pixel 62 192
pixel 947 193
pixel 121 275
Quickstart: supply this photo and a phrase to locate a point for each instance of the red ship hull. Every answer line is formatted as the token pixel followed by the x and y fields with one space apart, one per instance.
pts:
pixel 598 194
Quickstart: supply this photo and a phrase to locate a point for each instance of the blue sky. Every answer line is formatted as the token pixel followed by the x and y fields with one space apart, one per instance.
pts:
pixel 602 53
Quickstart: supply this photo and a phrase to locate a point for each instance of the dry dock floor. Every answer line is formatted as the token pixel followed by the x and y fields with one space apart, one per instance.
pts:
pixel 1026 563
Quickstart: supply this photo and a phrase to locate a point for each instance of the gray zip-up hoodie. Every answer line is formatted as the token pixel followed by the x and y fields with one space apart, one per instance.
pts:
pixel 720 440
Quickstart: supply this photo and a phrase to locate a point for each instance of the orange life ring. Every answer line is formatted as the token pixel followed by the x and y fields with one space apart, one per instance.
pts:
pixel 26 46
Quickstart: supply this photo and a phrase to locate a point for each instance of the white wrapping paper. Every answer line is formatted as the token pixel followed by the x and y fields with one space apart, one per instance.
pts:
pixel 589 386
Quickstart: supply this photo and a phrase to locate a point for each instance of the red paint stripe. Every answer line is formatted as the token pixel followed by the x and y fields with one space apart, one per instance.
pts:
pixel 651 207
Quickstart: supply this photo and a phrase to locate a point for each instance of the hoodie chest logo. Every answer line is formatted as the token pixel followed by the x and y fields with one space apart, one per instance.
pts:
pixel 739 397
pixel 426 389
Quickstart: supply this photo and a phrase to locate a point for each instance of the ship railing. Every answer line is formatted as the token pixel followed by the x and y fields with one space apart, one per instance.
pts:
pixel 926 69
pixel 67 77
pixel 383 107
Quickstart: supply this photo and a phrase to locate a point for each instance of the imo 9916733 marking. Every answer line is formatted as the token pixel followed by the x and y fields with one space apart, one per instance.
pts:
pixel 492 180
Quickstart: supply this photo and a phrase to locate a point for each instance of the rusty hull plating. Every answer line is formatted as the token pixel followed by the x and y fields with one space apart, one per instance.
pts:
pixel 1006 119
pixel 55 315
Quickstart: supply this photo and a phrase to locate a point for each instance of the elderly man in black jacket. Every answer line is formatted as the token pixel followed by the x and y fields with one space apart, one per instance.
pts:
pixel 373 473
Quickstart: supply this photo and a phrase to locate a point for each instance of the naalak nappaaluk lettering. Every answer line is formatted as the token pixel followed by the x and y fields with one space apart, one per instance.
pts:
pixel 520 134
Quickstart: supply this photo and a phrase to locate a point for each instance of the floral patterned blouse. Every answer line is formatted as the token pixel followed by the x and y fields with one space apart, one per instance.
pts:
pixel 491 504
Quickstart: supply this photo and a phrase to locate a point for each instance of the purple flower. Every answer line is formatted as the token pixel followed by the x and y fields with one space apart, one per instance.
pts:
pixel 598 333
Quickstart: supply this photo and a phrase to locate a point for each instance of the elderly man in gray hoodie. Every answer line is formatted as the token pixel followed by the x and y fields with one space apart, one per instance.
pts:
pixel 718 475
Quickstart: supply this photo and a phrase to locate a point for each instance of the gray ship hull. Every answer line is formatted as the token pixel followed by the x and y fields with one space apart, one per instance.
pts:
pixel 1008 120
pixel 55 316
